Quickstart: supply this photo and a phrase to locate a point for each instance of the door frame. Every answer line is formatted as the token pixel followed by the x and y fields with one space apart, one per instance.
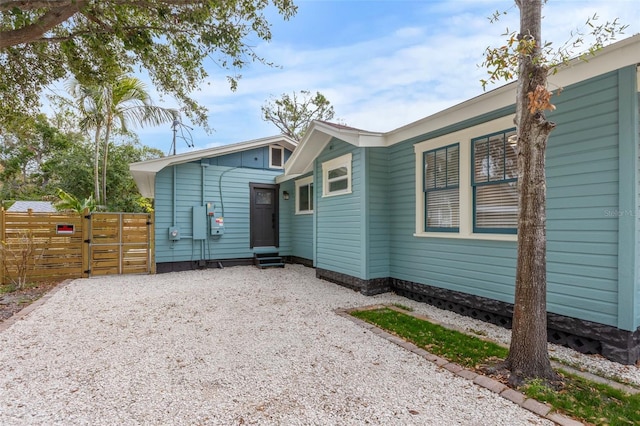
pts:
pixel 276 207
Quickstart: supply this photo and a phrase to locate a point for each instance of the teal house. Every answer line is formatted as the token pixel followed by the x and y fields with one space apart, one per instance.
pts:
pixel 217 206
pixel 429 210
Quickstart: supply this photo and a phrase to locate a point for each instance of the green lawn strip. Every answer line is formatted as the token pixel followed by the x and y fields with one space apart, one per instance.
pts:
pixel 584 399
pixel 580 398
pixel 457 347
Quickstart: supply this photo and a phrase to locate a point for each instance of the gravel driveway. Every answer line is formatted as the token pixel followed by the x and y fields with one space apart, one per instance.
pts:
pixel 233 346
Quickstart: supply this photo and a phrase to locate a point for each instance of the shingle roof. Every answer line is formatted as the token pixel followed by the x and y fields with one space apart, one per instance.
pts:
pixel 35 206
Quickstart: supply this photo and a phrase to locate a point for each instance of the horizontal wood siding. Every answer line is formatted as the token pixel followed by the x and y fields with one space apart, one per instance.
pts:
pixel 287 210
pixel 582 201
pixel 296 230
pixel 483 268
pixel 378 211
pixel 235 194
pixel 339 240
pixel 637 296
pixel 582 186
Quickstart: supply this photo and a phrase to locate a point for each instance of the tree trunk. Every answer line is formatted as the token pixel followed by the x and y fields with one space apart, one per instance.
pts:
pixel 528 354
pixel 96 165
pixel 105 158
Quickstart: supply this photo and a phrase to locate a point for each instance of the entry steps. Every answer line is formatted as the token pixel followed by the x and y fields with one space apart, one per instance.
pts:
pixel 267 257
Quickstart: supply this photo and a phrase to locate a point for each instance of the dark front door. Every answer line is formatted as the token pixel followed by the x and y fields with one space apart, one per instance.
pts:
pixel 264 215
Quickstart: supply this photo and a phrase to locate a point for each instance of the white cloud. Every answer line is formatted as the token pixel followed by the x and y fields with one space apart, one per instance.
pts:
pixel 397 75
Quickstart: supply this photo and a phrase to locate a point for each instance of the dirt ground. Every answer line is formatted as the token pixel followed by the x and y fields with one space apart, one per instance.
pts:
pixel 15 301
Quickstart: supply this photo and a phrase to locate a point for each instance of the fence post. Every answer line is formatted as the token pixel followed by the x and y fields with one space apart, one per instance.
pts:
pixel 2 240
pixel 151 238
pixel 85 221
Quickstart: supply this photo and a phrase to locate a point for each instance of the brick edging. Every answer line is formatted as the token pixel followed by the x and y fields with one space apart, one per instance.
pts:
pixel 517 397
pixel 6 324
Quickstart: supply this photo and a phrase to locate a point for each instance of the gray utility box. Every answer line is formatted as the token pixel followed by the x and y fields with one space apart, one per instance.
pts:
pixel 217 226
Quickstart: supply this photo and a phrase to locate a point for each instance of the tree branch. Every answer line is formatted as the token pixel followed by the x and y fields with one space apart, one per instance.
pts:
pixel 32 5
pixel 50 19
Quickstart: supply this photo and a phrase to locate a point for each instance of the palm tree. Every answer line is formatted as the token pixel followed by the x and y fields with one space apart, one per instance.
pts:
pixel 123 103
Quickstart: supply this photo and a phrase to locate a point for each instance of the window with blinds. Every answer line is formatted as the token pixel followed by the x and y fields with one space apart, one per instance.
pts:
pixel 494 181
pixel 442 189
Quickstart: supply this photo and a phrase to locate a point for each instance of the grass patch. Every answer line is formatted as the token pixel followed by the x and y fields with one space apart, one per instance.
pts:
pixel 457 347
pixel 7 288
pixel 577 397
pixel 594 402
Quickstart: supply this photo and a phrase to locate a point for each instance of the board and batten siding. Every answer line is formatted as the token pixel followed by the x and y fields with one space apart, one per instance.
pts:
pixel 234 244
pixel 582 187
pixel 340 218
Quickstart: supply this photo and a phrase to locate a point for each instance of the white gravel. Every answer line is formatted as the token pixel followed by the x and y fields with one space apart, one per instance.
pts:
pixel 224 347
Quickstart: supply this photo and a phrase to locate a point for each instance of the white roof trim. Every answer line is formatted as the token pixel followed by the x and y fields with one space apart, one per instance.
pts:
pixel 144 172
pixel 318 135
pixel 609 58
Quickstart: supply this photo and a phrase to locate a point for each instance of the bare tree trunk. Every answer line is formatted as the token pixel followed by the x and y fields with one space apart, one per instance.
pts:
pixel 105 158
pixel 528 353
pixel 96 166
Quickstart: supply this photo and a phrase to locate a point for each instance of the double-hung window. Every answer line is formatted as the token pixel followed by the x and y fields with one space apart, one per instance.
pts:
pixel 442 188
pixel 304 195
pixel 494 182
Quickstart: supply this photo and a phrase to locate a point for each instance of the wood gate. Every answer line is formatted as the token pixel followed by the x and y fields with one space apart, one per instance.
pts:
pixel 120 243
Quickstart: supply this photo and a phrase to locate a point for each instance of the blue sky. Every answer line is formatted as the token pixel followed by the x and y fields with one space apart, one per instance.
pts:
pixel 382 64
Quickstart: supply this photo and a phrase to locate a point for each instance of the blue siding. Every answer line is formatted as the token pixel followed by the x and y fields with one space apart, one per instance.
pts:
pixel 582 182
pixel 235 194
pixel 637 266
pixel 483 268
pixel 257 158
pixel 582 172
pixel 339 236
pixel 296 231
pixel 378 210
pixel 287 209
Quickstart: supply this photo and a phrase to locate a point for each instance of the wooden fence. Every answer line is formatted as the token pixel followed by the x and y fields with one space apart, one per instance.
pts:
pixel 53 246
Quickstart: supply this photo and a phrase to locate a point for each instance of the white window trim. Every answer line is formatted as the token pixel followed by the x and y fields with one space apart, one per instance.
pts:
pixel 342 161
pixel 299 183
pixel 281 149
pixel 463 137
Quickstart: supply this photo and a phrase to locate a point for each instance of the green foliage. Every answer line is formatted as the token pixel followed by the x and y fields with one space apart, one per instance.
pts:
pixel 71 202
pixel 592 402
pixel 455 346
pixel 26 150
pixel 502 62
pixel 113 106
pixel 292 114
pixel 97 40
pixel 38 166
